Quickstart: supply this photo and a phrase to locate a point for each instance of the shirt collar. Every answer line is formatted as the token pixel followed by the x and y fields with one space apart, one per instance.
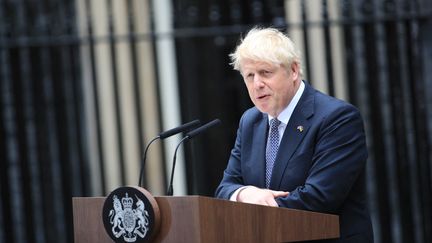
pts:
pixel 286 113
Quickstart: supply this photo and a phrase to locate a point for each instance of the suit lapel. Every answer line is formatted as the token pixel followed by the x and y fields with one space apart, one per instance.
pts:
pixel 296 130
pixel 258 151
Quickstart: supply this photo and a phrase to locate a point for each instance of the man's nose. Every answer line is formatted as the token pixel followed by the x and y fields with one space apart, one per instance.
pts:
pixel 258 82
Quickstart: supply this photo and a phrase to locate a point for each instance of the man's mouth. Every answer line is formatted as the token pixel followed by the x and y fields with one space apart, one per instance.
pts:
pixel 260 97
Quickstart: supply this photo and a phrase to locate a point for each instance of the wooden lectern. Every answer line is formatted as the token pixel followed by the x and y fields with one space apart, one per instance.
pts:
pixel 195 219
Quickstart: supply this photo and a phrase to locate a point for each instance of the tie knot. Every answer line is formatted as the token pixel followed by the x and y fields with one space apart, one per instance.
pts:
pixel 274 123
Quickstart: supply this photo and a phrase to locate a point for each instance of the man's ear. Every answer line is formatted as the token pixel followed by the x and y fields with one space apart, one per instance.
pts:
pixel 295 70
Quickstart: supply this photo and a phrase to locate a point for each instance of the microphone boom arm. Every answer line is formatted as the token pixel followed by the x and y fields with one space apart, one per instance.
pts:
pixel 161 136
pixel 188 136
pixel 144 159
pixel 170 187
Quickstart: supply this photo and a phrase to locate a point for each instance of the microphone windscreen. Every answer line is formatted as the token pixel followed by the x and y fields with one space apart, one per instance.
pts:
pixel 181 128
pixel 202 128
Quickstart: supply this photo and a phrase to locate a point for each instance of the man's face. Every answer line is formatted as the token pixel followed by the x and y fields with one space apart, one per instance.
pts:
pixel 271 87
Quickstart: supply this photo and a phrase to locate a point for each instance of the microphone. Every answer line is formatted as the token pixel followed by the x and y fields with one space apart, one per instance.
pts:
pixel 181 128
pixel 163 135
pixel 188 136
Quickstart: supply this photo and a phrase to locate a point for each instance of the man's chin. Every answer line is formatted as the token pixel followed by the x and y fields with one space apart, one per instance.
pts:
pixel 265 110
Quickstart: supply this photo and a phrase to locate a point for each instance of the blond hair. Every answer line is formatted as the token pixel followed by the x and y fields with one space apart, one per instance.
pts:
pixel 267 45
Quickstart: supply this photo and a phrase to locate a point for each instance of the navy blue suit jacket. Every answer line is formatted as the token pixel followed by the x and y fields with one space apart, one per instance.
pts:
pixel 322 166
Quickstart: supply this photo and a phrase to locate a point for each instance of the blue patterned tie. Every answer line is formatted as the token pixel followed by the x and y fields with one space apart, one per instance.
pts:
pixel 272 148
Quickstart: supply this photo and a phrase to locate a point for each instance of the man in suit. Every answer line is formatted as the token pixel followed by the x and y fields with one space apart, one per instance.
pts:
pixel 297 148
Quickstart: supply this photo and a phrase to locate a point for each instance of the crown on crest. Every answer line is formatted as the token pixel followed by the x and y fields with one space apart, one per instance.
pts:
pixel 127 201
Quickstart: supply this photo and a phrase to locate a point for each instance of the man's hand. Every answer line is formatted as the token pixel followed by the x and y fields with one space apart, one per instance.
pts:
pixel 255 195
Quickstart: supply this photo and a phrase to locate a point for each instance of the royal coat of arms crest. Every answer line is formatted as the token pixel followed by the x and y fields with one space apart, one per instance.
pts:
pixel 131 214
pixel 128 221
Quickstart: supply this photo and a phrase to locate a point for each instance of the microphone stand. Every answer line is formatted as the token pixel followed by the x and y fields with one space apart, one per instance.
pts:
pixel 162 136
pixel 144 159
pixel 189 135
pixel 170 187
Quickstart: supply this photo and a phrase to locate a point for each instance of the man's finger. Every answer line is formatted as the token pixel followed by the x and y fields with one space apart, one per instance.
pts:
pixel 279 193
